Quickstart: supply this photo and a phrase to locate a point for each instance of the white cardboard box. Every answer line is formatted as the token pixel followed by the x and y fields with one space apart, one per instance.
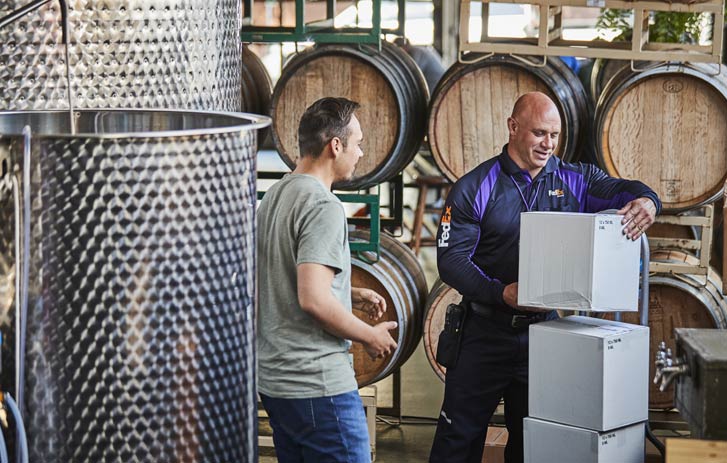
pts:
pixel 589 373
pixel 548 442
pixel 577 262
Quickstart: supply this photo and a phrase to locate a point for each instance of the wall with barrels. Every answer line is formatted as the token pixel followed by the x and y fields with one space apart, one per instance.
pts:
pixel 399 278
pixel 471 103
pixel 665 127
pixel 390 88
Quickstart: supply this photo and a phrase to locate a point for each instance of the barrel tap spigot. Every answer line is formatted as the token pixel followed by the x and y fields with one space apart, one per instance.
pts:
pixel 668 368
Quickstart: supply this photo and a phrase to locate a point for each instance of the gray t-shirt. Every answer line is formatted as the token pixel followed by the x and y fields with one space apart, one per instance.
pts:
pixel 300 221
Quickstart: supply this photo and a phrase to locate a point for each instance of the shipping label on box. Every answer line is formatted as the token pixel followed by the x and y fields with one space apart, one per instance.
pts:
pixel 588 372
pixel 548 442
pixel 576 261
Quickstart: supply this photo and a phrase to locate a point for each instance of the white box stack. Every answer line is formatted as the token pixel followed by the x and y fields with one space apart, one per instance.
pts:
pixel 588 378
pixel 589 372
pixel 545 442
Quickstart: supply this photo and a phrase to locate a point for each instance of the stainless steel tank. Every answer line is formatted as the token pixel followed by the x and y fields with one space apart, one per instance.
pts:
pixel 134 242
pixel 123 53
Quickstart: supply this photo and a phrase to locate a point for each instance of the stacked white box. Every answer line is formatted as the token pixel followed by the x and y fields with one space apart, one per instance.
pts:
pixel 577 262
pixel 547 442
pixel 589 373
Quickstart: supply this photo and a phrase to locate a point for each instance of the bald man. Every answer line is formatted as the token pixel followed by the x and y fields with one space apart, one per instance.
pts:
pixel 477 254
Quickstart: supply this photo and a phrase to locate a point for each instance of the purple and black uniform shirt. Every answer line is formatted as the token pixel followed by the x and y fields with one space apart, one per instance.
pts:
pixel 479 233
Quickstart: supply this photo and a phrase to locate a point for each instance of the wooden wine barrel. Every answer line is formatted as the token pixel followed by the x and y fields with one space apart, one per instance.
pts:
pixel 256 89
pixel 399 278
pixel 665 127
pixel 439 298
pixel 602 72
pixel 470 106
pixel 388 84
pixel 678 301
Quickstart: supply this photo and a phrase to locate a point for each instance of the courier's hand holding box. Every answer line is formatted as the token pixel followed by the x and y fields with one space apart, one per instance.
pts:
pixel 577 261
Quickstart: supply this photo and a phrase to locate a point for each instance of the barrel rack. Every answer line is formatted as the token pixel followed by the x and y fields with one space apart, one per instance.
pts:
pixel 550 41
pixel 702 246
pixel 322 31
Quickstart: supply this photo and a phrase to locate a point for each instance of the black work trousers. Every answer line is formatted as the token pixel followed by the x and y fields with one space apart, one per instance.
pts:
pixel 493 364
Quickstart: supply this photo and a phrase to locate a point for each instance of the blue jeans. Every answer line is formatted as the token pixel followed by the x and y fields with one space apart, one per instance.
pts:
pixel 319 430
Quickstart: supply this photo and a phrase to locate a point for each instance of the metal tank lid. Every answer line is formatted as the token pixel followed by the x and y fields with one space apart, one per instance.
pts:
pixel 127 123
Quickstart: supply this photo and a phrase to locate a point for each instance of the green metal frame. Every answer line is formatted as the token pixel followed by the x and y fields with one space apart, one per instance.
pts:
pixel 372 201
pixel 319 31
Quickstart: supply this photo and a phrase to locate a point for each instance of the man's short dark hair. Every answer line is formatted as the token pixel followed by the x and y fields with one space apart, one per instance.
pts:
pixel 322 121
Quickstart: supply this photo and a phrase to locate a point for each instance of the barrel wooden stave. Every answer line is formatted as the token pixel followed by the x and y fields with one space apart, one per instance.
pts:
pixel 393 98
pixel 399 278
pixel 369 370
pixel 439 298
pixel 665 127
pixel 256 89
pixel 471 103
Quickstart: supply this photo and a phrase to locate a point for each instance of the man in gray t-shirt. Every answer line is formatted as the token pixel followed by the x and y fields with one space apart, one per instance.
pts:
pixel 305 377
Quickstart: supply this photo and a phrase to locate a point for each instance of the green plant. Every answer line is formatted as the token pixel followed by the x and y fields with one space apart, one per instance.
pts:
pixel 612 19
pixel 664 26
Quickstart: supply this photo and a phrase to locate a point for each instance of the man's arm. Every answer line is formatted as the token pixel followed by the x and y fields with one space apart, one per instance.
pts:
pixel 457 240
pixel 317 300
pixel 638 203
pixel 606 192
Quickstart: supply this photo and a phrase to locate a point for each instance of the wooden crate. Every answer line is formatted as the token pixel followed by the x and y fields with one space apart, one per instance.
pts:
pixel 703 245
pixel 695 451
pixel 495 445
pixel 550 41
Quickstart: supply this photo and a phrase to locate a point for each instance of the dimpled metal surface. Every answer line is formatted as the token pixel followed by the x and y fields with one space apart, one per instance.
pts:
pixel 124 53
pixel 141 319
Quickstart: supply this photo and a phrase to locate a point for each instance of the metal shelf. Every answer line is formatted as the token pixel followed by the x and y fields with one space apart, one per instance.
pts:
pixel 319 31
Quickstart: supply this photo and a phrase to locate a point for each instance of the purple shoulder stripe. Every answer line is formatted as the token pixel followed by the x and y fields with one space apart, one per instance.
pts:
pixel 483 194
pixel 576 184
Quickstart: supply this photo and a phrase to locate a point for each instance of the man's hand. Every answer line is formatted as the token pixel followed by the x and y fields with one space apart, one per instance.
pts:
pixel 509 295
pixel 638 214
pixel 381 343
pixel 369 301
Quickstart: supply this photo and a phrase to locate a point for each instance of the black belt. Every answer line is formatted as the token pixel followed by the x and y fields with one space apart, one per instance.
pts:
pixel 516 321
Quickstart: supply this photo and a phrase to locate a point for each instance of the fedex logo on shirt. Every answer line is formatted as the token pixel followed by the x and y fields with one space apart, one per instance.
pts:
pixel 446 219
